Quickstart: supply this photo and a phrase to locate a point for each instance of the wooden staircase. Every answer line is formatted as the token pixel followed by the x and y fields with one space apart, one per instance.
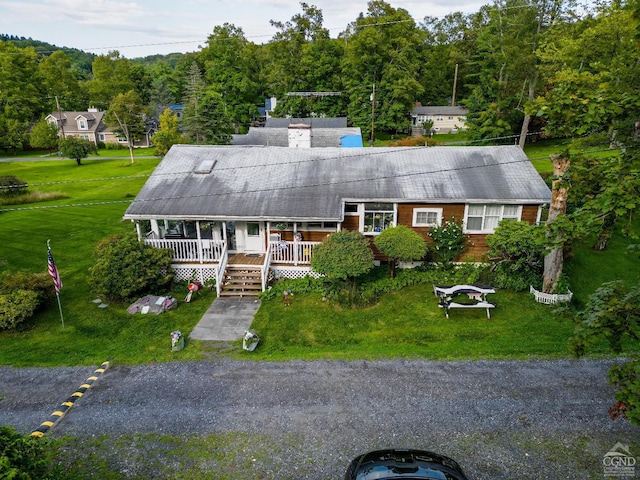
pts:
pixel 241 281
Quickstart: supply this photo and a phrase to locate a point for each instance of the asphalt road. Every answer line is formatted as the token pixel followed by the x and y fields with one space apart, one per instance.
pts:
pixel 499 419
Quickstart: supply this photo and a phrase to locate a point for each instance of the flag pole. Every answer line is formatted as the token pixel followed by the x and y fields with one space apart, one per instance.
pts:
pixel 60 309
pixel 55 276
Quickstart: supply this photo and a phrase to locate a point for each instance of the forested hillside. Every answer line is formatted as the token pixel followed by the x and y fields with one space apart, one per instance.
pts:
pixel 521 67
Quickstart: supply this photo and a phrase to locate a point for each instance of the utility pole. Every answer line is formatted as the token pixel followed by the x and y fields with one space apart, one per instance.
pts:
pixel 455 82
pixel 373 111
pixel 60 117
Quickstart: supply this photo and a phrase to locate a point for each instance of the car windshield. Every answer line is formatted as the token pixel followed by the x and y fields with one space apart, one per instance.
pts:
pixel 414 472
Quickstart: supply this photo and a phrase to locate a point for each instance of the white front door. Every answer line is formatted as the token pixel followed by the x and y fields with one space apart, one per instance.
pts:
pixel 249 237
pixel 254 238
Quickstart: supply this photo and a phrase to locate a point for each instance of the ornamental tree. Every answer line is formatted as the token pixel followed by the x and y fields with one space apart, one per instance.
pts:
pixel 76 148
pixel 344 255
pixel 400 244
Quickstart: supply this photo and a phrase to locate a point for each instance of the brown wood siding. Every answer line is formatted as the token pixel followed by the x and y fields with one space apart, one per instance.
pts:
pixel 351 222
pixel 307 235
pixel 529 213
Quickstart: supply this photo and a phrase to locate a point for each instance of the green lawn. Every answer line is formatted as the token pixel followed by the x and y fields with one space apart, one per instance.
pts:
pixel 404 324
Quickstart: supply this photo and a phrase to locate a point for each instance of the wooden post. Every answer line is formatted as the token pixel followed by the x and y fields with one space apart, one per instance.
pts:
pixel 554 260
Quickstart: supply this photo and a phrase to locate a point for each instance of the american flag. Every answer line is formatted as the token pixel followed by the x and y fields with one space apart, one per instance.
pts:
pixel 53 271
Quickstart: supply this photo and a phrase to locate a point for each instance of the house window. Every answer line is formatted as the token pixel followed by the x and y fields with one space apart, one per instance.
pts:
pixel 427 217
pixel 450 118
pixel 351 208
pixel 84 136
pixel 485 218
pixel 439 118
pixel 101 137
pixel 378 217
pixel 122 139
pixel 82 124
pixel 320 226
pixel 253 229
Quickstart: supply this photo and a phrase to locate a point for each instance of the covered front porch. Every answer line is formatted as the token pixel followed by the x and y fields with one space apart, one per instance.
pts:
pixel 222 251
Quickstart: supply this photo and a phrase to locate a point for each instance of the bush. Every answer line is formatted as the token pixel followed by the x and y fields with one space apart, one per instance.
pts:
pixel 126 269
pixel 516 253
pixel 22 458
pixel 40 283
pixel 415 142
pixel 11 186
pixel 16 307
pixel 22 294
pixel 449 242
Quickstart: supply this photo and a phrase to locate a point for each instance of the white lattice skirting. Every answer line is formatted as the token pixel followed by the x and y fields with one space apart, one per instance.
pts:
pixel 197 271
pixel 550 298
pixel 293 272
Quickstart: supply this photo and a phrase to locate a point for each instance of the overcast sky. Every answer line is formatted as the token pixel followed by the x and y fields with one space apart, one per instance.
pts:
pixel 138 28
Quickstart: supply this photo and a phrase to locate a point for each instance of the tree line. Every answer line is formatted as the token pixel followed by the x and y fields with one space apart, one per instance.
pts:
pixel 518 66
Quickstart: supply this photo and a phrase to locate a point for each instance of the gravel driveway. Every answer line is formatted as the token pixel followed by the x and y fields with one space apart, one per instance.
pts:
pixel 499 419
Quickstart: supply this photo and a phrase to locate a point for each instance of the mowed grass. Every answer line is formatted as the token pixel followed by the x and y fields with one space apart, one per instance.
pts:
pixel 409 324
pixel 75 225
pixel 403 324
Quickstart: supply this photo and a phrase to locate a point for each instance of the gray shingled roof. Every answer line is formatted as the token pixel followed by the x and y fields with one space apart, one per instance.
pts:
pixel 433 110
pixel 305 183
pixel 279 137
pixel 315 122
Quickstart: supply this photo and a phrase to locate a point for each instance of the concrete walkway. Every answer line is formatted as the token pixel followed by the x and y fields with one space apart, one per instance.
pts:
pixel 227 319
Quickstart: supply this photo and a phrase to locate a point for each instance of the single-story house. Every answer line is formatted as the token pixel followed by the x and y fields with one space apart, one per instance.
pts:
pixel 260 211
pixel 90 126
pixel 446 119
pixel 302 132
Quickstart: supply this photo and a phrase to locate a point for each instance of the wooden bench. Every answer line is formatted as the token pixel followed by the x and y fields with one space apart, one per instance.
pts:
pixel 478 294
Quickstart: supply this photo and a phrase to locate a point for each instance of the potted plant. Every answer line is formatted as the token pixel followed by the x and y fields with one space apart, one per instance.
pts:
pixel 177 341
pixel 250 340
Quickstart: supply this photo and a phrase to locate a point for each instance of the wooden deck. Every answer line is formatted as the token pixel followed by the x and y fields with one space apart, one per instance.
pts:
pixel 256 259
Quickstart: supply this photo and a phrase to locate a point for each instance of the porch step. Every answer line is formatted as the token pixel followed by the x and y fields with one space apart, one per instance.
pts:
pixel 241 281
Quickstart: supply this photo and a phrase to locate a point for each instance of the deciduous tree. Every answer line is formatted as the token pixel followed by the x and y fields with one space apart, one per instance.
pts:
pixel 400 244
pixel 76 148
pixel 44 135
pixel 126 116
pixel 168 134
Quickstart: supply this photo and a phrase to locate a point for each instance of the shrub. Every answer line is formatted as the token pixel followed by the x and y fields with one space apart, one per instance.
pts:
pixel 22 458
pixel 516 253
pixel 449 242
pixel 415 142
pixel 126 268
pixel 40 283
pixel 22 294
pixel 16 307
pixel 11 186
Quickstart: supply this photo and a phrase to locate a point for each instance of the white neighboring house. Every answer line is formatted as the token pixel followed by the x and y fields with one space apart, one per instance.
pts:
pixel 445 119
pixel 90 126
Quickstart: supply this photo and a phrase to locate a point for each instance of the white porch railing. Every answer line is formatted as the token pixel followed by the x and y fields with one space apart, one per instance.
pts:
pixel 187 250
pixel 296 253
pixel 265 268
pixel 222 266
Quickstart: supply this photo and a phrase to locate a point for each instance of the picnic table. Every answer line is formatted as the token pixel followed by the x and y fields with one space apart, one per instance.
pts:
pixel 476 294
